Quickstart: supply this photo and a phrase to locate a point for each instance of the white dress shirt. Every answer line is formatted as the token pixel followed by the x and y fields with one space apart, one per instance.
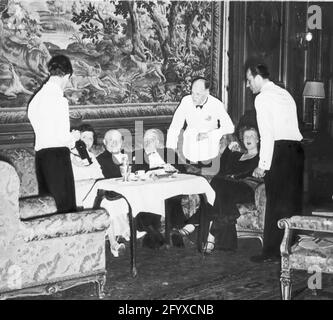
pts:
pixel 48 113
pixel 155 160
pixel 277 120
pixel 120 157
pixel 199 120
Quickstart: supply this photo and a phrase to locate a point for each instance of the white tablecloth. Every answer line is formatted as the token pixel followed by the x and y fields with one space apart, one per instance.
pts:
pixel 149 195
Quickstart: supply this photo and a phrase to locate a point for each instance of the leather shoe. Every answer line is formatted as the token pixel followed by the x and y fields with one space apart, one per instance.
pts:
pixel 264 258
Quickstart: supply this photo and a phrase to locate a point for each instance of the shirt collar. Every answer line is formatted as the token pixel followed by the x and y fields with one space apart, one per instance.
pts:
pixel 266 86
pixel 55 86
pixel 201 106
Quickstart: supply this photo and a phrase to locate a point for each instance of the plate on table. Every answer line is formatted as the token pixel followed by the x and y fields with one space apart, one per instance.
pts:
pixel 166 174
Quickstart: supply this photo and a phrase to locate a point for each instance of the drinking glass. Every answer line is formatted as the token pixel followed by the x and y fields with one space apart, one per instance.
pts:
pixel 125 171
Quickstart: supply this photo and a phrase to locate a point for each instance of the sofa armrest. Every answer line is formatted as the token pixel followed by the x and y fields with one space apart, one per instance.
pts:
pixel 63 225
pixel 35 206
pixel 308 223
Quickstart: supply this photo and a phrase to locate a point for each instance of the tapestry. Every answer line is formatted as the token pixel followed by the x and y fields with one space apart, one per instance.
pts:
pixel 121 51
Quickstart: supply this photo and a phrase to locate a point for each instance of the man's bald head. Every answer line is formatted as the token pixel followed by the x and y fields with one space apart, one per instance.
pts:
pixel 199 90
pixel 113 141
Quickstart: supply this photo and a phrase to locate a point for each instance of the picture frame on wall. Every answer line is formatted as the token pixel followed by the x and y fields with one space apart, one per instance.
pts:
pixel 131 59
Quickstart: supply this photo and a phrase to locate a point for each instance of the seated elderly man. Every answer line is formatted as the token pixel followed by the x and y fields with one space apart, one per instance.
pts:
pixel 113 156
pixel 153 156
pixel 110 161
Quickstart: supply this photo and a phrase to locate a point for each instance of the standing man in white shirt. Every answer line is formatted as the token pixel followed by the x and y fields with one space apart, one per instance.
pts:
pixel 207 121
pixel 281 157
pixel 48 113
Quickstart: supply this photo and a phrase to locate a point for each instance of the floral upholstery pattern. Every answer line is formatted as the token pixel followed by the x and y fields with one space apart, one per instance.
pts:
pixel 252 215
pixel 250 218
pixel 64 225
pixel 23 159
pixel 26 264
pixel 314 223
pixel 317 254
pixel 301 258
pixel 9 191
pixel 35 206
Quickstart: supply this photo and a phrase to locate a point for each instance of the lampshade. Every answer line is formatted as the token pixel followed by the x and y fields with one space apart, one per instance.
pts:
pixel 314 89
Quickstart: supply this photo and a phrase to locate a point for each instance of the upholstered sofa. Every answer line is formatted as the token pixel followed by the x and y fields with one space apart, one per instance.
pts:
pixel 42 252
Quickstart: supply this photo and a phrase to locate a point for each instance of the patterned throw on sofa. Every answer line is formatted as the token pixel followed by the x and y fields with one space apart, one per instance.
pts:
pixel 38 247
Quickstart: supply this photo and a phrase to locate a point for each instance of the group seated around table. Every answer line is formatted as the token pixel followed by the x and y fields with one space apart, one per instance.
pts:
pixel 231 184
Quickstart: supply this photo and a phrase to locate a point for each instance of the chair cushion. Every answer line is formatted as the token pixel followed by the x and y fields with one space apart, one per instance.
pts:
pixel 250 217
pixel 308 252
pixel 62 225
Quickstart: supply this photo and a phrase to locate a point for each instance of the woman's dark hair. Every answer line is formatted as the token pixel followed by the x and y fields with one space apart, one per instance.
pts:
pixel 60 65
pixel 87 127
pixel 206 82
pixel 258 69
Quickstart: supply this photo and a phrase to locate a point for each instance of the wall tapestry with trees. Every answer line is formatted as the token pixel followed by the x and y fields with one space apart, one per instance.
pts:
pixel 122 51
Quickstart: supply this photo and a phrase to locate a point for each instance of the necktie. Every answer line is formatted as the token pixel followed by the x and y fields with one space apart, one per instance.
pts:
pixel 201 105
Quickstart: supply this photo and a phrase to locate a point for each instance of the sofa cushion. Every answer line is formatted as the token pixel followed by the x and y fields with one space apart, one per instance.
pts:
pixel 64 225
pixel 35 206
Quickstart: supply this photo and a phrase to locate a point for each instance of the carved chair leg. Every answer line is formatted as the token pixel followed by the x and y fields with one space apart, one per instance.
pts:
pixel 261 238
pixel 100 283
pixel 286 285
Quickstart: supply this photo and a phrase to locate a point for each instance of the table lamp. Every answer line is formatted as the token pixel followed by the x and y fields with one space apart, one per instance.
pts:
pixel 314 90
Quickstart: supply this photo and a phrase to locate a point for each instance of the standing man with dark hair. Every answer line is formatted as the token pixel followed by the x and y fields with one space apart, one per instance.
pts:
pixel 207 121
pixel 281 156
pixel 48 113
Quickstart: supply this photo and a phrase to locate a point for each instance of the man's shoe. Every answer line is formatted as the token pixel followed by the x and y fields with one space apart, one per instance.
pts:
pixel 264 258
pixel 177 240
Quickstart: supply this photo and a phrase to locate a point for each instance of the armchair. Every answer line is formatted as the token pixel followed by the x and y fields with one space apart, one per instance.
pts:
pixel 250 224
pixel 42 252
pixel 299 257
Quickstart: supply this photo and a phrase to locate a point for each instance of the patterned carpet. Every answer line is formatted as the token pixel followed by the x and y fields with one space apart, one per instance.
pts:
pixel 184 274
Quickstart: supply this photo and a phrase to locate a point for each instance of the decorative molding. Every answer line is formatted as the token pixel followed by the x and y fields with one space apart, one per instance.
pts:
pixel 237 56
pixel 19 115
pixel 51 287
pixel 216 48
